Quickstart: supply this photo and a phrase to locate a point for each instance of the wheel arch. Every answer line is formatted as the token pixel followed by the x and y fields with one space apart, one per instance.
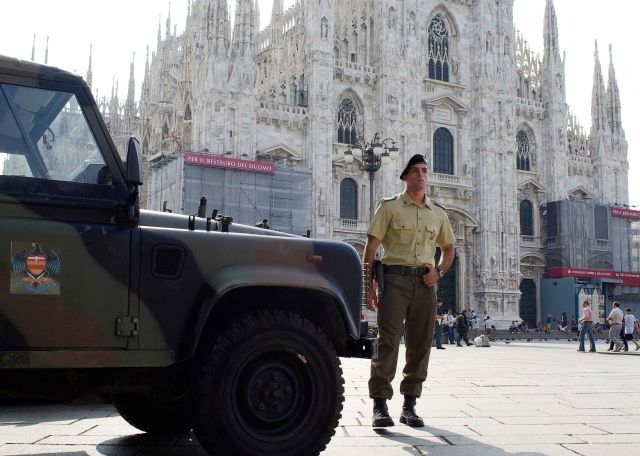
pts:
pixel 323 308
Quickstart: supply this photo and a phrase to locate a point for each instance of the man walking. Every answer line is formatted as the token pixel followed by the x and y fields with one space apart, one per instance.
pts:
pixel 629 327
pixel 409 226
pixel 615 320
pixel 587 327
pixel 438 327
pixel 462 324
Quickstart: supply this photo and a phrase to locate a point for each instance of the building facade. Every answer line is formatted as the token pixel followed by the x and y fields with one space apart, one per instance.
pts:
pixel 450 79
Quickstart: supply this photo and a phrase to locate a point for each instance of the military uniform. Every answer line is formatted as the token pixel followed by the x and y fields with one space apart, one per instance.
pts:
pixel 410 234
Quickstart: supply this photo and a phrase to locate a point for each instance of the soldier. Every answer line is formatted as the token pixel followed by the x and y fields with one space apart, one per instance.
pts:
pixel 409 226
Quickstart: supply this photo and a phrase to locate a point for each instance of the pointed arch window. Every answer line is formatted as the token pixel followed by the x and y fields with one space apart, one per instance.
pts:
pixel 348 199
pixel 438 49
pixel 523 156
pixel 442 151
pixel 526 218
pixel 347 121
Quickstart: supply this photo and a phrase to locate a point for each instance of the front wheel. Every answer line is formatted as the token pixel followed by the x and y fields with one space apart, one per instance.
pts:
pixel 271 384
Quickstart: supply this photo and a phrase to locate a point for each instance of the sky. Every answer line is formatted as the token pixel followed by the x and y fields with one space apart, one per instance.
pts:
pixel 118 28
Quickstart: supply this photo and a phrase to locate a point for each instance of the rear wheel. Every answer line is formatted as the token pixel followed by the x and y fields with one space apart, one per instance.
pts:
pixel 155 415
pixel 271 384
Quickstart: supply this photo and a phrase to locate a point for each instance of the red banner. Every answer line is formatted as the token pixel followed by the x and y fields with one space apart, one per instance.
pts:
pixel 629 279
pixel 218 161
pixel 626 213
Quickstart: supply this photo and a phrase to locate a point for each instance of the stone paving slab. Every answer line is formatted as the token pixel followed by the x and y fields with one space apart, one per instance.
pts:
pixel 517 399
pixel 498 450
pixel 606 450
pixel 610 438
pixel 547 420
pixel 529 439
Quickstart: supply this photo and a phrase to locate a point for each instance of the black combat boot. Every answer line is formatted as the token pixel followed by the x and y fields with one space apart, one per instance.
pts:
pixel 381 416
pixel 409 416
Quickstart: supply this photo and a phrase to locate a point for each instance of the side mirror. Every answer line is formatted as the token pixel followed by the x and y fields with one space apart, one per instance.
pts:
pixel 134 163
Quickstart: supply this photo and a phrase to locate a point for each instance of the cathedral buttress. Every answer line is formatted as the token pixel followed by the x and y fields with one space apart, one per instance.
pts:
pixel 553 154
pixel 497 241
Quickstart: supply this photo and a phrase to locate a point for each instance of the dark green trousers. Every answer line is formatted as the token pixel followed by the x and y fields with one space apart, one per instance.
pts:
pixel 407 302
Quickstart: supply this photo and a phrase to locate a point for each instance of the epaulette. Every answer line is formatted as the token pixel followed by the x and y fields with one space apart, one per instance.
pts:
pixel 439 205
pixel 391 198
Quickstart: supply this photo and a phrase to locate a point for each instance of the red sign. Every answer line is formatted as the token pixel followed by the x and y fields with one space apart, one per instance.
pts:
pixel 218 161
pixel 629 279
pixel 626 213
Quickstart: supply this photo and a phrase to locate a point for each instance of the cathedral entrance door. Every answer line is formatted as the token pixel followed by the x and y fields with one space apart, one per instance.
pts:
pixel 528 302
pixel 447 285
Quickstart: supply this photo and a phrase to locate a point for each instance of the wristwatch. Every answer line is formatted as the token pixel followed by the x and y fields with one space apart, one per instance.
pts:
pixel 440 271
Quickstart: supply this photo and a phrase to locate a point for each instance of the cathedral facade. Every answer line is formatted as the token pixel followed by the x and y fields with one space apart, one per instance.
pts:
pixel 450 79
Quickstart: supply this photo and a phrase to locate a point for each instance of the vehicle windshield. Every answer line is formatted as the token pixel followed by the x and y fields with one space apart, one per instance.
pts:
pixel 44 134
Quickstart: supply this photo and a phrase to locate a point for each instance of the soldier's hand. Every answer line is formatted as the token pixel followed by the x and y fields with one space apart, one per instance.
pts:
pixel 372 303
pixel 431 277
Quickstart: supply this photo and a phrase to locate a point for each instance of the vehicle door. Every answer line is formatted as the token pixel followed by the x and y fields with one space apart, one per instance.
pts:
pixel 64 254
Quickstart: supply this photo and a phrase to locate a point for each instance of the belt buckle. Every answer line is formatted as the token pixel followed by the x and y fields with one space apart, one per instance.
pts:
pixel 413 270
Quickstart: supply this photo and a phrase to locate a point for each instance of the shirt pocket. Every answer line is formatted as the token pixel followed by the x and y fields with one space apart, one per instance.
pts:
pixel 430 233
pixel 403 231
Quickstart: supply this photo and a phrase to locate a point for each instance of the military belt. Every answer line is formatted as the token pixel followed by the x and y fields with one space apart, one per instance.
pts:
pixel 405 270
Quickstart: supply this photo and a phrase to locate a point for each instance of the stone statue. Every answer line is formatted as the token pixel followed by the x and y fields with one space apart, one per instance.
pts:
pixel 468 168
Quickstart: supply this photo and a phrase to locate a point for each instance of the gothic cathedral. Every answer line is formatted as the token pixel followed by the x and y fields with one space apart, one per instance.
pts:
pixel 450 79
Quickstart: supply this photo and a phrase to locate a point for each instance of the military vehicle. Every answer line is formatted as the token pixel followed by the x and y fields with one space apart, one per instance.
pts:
pixel 184 322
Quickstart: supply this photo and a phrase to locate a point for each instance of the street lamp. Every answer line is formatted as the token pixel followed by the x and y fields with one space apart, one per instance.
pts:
pixel 373 155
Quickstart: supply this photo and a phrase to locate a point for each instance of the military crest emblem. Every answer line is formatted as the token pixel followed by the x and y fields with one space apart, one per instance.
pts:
pixel 35 270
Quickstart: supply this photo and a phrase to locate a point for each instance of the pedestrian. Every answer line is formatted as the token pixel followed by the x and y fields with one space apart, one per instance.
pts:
pixel 475 324
pixel 409 226
pixel 462 325
pixel 449 321
pixel 522 327
pixel 622 338
pixel 629 328
pixel 438 325
pixel 587 327
pixel 488 324
pixel 562 325
pixel 615 320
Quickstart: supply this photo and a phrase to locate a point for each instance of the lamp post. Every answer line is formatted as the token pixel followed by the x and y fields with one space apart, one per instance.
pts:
pixel 373 155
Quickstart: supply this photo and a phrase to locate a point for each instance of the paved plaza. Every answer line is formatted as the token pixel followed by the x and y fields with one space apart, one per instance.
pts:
pixel 538 398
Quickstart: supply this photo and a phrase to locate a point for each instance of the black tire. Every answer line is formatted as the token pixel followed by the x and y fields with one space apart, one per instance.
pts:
pixel 271 384
pixel 157 415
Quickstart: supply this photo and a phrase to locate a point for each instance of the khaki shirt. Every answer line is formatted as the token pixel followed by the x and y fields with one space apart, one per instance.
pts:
pixel 410 232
